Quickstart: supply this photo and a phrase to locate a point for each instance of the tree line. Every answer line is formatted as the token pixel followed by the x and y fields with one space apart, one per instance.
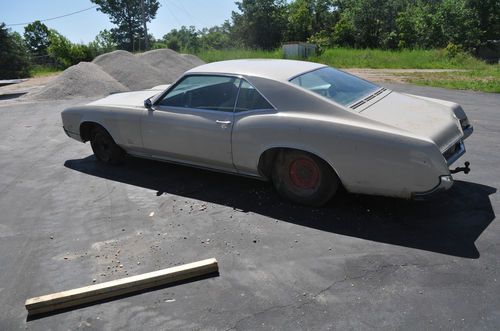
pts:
pixel 386 24
pixel 459 25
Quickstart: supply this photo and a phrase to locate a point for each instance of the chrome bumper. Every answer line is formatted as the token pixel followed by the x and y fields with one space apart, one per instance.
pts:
pixel 458 151
pixel 445 183
pixel 467 131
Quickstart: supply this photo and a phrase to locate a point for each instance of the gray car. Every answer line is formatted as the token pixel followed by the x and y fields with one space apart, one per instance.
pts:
pixel 307 127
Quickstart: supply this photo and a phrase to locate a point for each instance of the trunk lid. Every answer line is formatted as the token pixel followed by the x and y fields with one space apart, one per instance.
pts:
pixel 418 116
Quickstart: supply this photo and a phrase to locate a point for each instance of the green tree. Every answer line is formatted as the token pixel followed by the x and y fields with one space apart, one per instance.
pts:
pixel 456 23
pixel 217 37
pixel 185 39
pixel 300 20
pixel 416 25
pixel 259 23
pixel 488 12
pixel 36 36
pixel 306 18
pixel 13 60
pixel 173 44
pixel 370 23
pixel 103 43
pixel 127 16
pixel 65 53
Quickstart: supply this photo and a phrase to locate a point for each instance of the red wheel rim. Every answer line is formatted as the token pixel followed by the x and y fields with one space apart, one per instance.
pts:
pixel 304 173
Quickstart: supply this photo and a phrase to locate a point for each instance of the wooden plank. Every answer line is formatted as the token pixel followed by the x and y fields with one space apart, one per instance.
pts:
pixel 92 293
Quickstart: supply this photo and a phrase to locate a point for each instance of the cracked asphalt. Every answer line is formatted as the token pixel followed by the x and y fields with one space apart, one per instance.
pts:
pixel 359 263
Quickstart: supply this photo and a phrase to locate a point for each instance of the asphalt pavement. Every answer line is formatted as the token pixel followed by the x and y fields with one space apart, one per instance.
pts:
pixel 360 263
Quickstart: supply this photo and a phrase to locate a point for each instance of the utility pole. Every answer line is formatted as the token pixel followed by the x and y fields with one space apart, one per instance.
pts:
pixel 146 39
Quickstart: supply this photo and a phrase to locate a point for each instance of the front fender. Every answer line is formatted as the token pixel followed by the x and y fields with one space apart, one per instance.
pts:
pixel 123 124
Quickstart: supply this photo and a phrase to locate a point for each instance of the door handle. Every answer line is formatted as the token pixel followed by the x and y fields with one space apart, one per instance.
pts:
pixel 223 122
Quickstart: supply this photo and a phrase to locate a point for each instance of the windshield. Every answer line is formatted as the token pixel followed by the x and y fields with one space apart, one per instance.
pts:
pixel 336 85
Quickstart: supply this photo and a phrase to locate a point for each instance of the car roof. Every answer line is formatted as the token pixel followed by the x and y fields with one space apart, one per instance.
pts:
pixel 281 70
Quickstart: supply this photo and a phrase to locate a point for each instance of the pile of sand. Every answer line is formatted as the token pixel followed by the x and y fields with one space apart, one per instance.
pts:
pixel 193 59
pixel 129 70
pixel 118 71
pixel 169 63
pixel 82 80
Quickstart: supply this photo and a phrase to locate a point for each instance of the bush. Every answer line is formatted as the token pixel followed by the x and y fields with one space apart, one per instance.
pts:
pixel 173 44
pixel 452 50
pixel 66 53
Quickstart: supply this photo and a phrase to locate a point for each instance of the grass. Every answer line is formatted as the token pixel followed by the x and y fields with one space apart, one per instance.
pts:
pixel 403 59
pixel 362 58
pixel 484 80
pixel 475 75
pixel 42 71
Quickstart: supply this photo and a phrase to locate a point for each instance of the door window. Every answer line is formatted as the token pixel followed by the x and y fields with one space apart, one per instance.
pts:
pixel 204 92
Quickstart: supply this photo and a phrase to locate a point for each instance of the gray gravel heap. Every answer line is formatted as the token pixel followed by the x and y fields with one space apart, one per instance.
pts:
pixel 118 71
pixel 193 59
pixel 82 80
pixel 129 70
pixel 169 63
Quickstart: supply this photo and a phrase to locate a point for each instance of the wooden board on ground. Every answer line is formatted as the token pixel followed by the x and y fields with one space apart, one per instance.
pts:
pixel 97 292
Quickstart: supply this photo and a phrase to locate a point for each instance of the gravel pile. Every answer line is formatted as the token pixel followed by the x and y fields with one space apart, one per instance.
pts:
pixel 193 60
pixel 118 71
pixel 167 62
pixel 129 70
pixel 82 80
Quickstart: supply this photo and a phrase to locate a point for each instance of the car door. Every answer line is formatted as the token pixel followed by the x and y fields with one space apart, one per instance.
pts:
pixel 192 122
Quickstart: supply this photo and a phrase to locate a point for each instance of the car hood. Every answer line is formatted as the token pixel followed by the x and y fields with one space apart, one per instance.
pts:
pixel 129 99
pixel 422 117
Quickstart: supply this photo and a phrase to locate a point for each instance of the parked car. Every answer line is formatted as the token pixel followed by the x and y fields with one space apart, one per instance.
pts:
pixel 306 127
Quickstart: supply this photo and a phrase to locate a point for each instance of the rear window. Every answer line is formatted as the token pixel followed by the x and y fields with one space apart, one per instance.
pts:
pixel 336 85
pixel 250 99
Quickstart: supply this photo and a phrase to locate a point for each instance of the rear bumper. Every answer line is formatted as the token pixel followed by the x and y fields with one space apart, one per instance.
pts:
pixel 468 131
pixel 454 152
pixel 445 183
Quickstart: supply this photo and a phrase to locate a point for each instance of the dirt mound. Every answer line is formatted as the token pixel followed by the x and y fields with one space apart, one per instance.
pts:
pixel 129 70
pixel 193 59
pixel 84 80
pixel 167 62
pixel 118 71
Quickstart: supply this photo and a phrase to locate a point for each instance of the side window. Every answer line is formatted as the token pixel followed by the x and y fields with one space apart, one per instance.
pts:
pixel 250 99
pixel 204 92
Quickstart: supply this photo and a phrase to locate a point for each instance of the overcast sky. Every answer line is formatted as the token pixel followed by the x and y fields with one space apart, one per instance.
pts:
pixel 84 26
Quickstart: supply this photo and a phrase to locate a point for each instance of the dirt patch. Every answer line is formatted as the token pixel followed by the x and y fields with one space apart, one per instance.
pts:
pixel 30 85
pixel 393 75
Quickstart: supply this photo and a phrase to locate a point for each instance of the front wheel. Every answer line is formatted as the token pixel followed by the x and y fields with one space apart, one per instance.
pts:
pixel 104 147
pixel 304 178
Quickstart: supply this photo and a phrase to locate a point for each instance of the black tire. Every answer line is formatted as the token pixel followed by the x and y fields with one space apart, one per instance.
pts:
pixel 104 147
pixel 304 178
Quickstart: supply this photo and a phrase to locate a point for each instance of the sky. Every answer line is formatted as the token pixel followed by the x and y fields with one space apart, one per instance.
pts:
pixel 84 26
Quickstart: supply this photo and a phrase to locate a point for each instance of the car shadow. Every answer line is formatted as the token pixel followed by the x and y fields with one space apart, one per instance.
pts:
pixel 449 223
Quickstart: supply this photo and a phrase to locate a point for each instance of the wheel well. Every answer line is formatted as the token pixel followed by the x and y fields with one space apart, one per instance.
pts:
pixel 86 130
pixel 266 162
pixel 267 159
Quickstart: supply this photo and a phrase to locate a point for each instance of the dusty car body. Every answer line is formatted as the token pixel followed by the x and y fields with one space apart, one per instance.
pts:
pixel 303 125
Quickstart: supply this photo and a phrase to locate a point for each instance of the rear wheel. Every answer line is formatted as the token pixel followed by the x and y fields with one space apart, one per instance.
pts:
pixel 304 178
pixel 104 147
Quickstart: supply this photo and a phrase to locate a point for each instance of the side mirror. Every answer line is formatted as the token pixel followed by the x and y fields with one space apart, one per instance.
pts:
pixel 148 104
